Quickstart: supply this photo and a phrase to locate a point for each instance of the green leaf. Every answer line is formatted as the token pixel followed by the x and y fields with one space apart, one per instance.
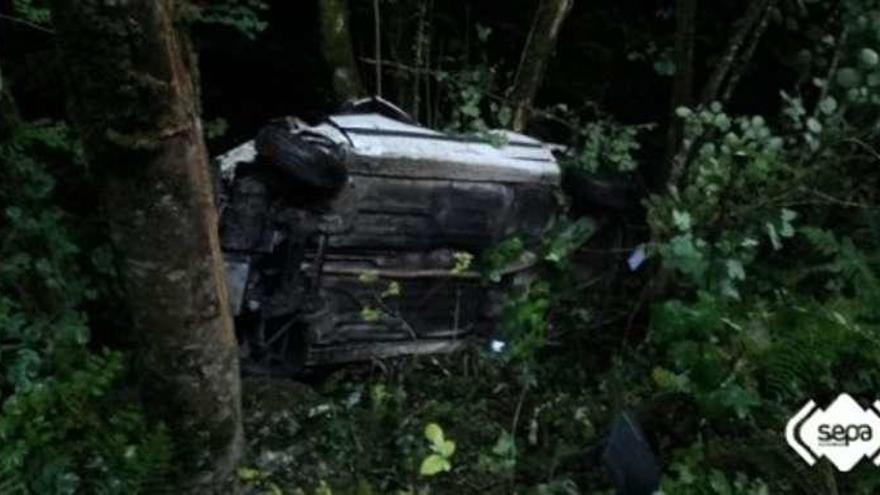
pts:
pixel 774 236
pixel 682 220
pixel 735 270
pixel 664 378
pixel 683 112
pixel 434 464
pixel 445 448
pixel 828 105
pixel 719 483
pixel 848 77
pixel 434 433
pixel 392 290
pixel 368 277
pixel 505 445
pixel 463 260
pixel 369 314
pixel 248 474
pixel 868 57
pixel 483 32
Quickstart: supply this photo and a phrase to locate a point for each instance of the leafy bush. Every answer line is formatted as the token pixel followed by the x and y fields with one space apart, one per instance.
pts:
pixel 64 427
pixel 777 287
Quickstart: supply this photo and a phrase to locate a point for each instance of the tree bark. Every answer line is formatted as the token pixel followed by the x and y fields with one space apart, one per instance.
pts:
pixel 538 49
pixel 133 95
pixel 422 42
pixel 337 48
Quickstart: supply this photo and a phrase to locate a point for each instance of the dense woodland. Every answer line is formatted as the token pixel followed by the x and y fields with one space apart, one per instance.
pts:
pixel 734 277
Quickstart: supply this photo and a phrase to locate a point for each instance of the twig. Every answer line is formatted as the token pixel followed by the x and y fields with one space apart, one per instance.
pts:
pixel 398 66
pixel 838 201
pixel 27 23
pixel 870 149
pixel 746 56
pixel 744 27
pixel 516 413
pixel 832 68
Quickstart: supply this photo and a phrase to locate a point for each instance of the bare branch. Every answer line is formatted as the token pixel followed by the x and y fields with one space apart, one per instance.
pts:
pixel 746 56
pixel 27 23
pixel 744 26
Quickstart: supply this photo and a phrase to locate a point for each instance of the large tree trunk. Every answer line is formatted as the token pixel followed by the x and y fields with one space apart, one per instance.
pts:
pixel 539 47
pixel 336 45
pixel 133 95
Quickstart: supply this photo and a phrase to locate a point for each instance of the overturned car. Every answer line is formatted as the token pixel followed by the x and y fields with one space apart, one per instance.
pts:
pixel 350 239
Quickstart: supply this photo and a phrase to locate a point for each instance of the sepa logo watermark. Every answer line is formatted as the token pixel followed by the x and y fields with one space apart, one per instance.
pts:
pixel 844 432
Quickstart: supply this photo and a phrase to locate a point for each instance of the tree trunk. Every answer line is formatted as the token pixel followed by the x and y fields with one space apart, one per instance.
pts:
pixel 134 97
pixel 337 48
pixel 539 47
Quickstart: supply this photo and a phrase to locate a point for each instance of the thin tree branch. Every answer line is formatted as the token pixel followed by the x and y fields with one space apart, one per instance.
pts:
pixel 27 23
pixel 746 56
pixel 744 26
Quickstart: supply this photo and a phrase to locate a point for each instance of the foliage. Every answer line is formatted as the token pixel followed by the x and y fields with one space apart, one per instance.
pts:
pixel 473 98
pixel 661 58
pixel 781 289
pixel 34 11
pixel 69 435
pixel 243 16
pixel 692 475
pixel 762 290
pixel 441 451
pixel 607 145
pixel 63 426
pixel 366 432
pixel 529 303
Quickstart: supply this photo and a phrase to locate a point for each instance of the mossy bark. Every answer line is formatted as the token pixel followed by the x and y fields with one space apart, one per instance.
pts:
pixel 133 95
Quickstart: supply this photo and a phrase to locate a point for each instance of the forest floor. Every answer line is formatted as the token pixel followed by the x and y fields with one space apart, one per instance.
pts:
pixel 360 429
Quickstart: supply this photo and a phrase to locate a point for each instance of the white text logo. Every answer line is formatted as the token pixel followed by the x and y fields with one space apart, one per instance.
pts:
pixel 844 433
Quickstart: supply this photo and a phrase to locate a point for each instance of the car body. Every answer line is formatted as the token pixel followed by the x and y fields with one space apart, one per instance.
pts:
pixel 375 264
